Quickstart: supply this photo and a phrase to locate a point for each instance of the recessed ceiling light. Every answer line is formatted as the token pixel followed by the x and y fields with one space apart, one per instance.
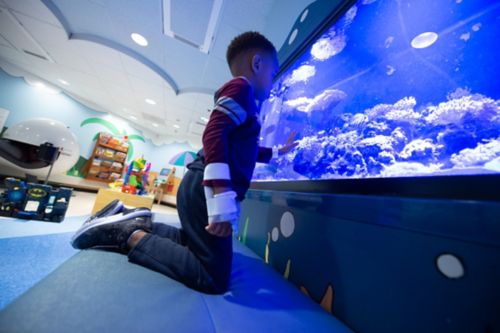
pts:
pixel 139 39
pixel 204 119
pixel 150 101
pixel 155 124
pixel 176 126
pixel 133 117
pixel 66 83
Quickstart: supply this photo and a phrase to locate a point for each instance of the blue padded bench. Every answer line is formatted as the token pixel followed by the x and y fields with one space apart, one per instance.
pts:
pixel 99 291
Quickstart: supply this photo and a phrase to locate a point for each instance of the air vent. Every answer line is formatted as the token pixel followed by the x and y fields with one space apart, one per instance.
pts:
pixel 178 18
pixel 35 55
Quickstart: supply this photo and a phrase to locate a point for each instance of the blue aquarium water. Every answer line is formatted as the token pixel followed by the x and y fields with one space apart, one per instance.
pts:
pixel 393 88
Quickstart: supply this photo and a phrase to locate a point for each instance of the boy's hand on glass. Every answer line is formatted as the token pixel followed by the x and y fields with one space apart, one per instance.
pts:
pixel 290 144
pixel 220 229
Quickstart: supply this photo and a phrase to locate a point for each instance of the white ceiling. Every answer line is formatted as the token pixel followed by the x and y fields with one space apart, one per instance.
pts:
pixel 87 43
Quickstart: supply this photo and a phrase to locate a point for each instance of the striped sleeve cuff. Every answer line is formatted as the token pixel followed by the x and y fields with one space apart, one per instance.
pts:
pixel 230 107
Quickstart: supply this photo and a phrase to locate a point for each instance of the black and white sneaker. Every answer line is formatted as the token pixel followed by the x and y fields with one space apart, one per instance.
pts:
pixel 112 208
pixel 112 230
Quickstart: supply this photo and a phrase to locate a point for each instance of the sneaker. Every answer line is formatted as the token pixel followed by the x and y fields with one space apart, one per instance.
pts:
pixel 112 208
pixel 112 231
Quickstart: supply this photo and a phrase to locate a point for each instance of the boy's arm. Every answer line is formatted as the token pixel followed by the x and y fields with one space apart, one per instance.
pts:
pixel 265 154
pixel 228 114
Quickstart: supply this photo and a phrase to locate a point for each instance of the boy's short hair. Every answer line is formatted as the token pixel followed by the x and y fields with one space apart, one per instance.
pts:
pixel 248 41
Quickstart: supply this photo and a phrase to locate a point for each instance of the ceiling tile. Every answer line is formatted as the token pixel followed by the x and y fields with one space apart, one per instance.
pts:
pixel 34 8
pixel 97 53
pixel 120 95
pixel 85 17
pixel 216 73
pixel 76 78
pixel 42 32
pixel 68 57
pixel 236 14
pixel 137 69
pixel 222 40
pixel 20 58
pixel 110 75
pixel 4 42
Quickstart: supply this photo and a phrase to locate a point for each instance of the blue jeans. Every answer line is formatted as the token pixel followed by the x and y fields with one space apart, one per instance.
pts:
pixel 190 255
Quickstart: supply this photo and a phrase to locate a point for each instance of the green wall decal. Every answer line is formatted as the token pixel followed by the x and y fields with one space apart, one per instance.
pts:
pixel 77 169
pixel 113 130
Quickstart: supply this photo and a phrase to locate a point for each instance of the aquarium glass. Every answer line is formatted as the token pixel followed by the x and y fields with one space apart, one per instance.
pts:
pixel 393 88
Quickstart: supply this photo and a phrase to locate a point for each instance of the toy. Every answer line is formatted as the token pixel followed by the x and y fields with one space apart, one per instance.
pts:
pixel 13 197
pixel 136 177
pixel 34 201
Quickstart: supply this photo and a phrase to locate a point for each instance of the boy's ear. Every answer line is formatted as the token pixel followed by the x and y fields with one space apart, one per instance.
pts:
pixel 256 63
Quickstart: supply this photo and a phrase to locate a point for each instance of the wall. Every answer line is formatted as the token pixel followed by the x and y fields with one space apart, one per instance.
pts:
pixel 25 101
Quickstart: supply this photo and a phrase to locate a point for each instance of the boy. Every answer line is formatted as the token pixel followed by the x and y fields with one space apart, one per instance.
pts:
pixel 200 253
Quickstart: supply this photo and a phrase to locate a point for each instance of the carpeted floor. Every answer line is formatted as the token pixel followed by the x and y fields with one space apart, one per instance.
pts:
pixel 30 250
pixel 26 260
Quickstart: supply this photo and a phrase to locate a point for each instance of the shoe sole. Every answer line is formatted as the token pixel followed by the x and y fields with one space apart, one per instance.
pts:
pixel 112 208
pixel 109 220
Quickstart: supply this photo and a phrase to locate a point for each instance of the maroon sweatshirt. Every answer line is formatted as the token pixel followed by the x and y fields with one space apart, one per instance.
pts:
pixel 231 138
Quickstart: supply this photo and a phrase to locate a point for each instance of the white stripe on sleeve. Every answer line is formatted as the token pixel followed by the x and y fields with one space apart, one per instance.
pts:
pixel 230 107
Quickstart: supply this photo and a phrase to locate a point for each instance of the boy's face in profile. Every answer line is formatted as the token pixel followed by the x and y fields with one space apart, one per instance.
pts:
pixel 265 74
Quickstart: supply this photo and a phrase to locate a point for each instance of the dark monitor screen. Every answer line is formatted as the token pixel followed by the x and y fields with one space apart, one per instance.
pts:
pixel 165 171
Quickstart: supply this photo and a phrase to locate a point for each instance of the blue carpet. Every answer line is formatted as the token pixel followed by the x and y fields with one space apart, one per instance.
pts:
pixel 26 260
pixel 12 227
pixel 30 250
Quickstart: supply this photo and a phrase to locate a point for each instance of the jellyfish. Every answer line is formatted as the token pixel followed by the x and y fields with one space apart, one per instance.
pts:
pixel 424 40
pixel 326 48
pixel 388 41
pixel 465 37
pixel 301 74
pixel 390 70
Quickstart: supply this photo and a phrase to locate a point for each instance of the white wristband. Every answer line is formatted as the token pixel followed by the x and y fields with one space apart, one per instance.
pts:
pixel 221 207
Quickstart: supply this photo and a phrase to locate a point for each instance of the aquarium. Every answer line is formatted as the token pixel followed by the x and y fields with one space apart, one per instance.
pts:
pixel 391 89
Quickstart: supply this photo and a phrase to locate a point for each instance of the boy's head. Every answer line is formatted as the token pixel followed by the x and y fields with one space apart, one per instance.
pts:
pixel 252 55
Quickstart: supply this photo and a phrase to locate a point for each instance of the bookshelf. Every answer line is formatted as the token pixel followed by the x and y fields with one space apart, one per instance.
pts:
pixel 107 162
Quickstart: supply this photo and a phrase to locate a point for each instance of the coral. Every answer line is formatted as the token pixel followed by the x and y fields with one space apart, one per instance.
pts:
pixel 418 150
pixel 391 139
pixel 402 111
pixel 453 111
pixel 402 169
pixel 373 146
pixel 458 93
pixel 478 156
